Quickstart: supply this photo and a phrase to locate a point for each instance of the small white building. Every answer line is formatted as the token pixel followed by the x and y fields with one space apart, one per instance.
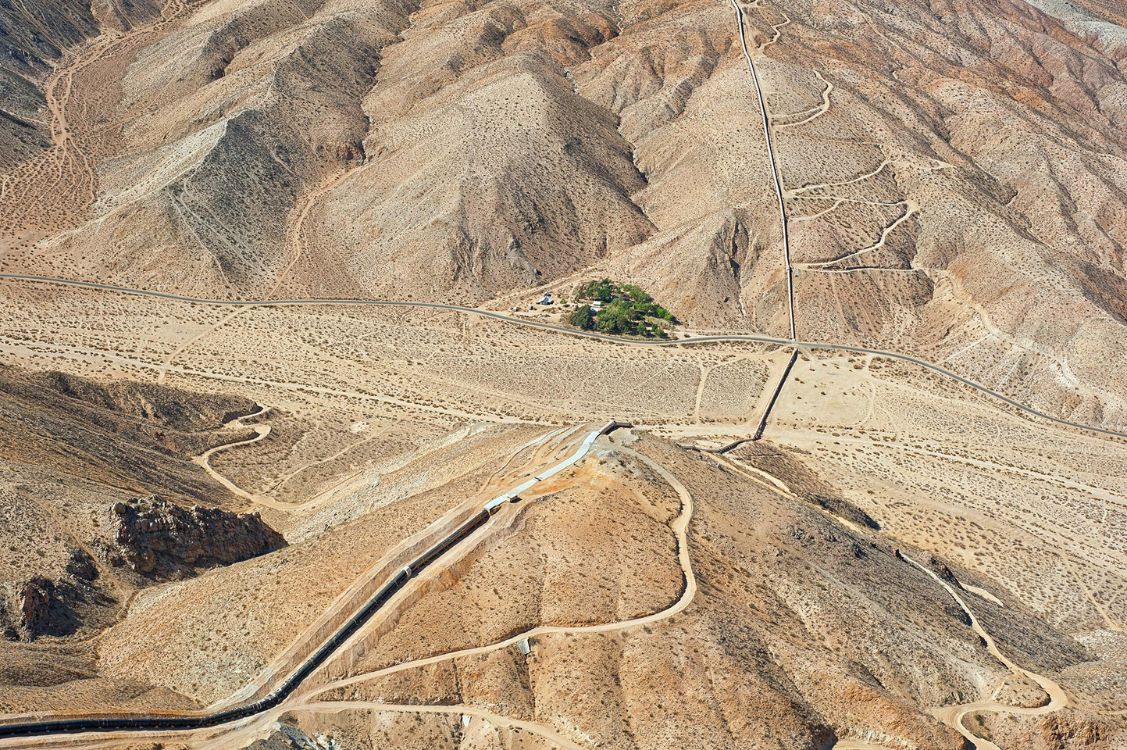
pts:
pixel 524 647
pixel 547 299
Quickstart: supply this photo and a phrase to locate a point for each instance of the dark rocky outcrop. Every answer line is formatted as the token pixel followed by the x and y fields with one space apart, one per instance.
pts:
pixel 152 537
pixel 81 566
pixel 33 605
pixel 161 540
pixel 55 606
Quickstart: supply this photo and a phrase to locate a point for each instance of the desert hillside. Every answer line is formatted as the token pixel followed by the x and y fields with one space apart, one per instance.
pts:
pixel 529 374
pixel 953 179
pixel 669 595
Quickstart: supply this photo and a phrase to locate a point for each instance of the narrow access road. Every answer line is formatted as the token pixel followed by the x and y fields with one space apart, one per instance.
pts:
pixel 680 528
pixel 953 715
pixel 338 639
pixel 560 329
pixel 503 722
pixel 261 431
pixel 812 113
pixel 776 178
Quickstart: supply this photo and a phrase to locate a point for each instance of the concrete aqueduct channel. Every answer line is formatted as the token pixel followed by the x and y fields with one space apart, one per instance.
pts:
pixel 316 659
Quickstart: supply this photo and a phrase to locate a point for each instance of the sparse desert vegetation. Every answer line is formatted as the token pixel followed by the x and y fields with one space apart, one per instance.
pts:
pixel 213 456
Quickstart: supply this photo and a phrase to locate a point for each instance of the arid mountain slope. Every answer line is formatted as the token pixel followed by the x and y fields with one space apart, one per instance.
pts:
pixel 137 437
pixel 954 177
pixel 74 456
pixel 385 424
pixel 36 38
pixel 681 681
pixel 195 496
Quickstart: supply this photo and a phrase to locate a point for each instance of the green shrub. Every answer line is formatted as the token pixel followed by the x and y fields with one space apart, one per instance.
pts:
pixel 583 318
pixel 602 290
pixel 617 317
pixel 628 310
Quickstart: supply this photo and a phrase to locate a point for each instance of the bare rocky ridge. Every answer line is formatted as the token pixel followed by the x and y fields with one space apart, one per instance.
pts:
pixel 134 435
pixel 160 540
pixel 33 602
pixel 58 606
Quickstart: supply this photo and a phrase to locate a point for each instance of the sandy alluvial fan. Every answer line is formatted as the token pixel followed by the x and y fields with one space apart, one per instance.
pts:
pixel 797 542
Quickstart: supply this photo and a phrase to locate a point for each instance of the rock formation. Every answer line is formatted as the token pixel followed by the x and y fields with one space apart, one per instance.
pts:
pixel 161 540
pixel 42 605
pixel 33 602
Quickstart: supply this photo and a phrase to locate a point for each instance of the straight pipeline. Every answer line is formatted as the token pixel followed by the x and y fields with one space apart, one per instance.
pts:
pixel 767 411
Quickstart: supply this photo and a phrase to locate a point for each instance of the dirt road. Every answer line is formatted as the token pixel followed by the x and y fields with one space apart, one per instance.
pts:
pixel 575 332
pixel 953 715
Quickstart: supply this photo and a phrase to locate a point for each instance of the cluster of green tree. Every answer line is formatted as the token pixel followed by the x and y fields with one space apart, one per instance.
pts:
pixel 626 310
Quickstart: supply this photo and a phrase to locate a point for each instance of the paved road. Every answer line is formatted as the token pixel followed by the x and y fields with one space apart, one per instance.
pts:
pixel 722 338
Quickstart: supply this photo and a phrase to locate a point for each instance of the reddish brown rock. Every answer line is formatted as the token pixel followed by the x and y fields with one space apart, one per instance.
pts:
pixel 159 539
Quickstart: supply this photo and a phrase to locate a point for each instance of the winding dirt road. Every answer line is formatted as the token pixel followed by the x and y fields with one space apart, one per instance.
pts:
pixel 953 715
pixel 679 526
pixel 331 635
pixel 313 701
pixel 204 459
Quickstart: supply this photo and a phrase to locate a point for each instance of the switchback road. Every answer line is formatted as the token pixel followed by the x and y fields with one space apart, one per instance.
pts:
pixel 953 716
